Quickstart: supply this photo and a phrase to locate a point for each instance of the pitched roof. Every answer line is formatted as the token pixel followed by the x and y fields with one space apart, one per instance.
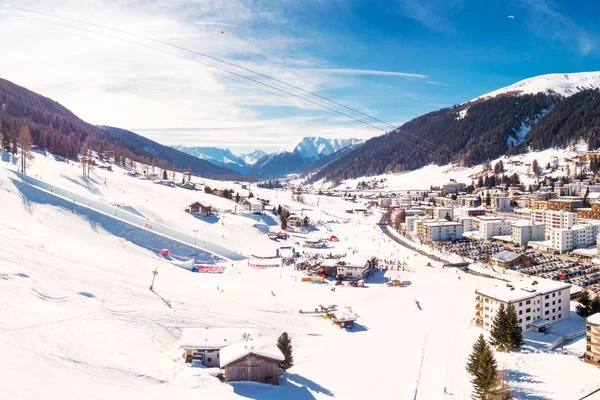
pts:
pixel 261 347
pixel 505 256
pixel 213 338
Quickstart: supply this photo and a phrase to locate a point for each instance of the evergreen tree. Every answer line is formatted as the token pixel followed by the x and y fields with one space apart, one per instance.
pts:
pixel 535 168
pixel 237 197
pixel 279 209
pixel 514 331
pixel 485 379
pixel 473 362
pixel 583 308
pixel 283 217
pixel 165 177
pixel 500 337
pixel 207 190
pixel 586 201
pixel 284 343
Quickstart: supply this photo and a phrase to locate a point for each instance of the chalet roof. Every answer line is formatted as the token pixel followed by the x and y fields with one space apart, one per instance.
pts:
pixel 261 347
pixel 253 202
pixel 201 204
pixel 213 338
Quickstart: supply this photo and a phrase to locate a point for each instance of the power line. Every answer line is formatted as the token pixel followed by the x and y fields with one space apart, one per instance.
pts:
pixel 307 100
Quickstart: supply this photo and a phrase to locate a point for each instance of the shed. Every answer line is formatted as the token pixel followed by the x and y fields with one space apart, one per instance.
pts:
pixel 200 208
pixel 203 345
pixel 252 360
pixel 506 258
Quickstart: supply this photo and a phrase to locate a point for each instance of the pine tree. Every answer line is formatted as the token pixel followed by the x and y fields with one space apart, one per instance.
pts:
pixel 586 201
pixel 485 379
pixel 583 308
pixel 165 177
pixel 473 362
pixel 284 343
pixel 499 334
pixel 513 328
pixel 283 217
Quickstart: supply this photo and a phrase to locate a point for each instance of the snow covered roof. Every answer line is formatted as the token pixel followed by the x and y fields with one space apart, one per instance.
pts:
pixel 213 338
pixel 253 202
pixel 505 256
pixel 594 319
pixel 345 316
pixel 261 347
pixel 523 289
pixel 330 262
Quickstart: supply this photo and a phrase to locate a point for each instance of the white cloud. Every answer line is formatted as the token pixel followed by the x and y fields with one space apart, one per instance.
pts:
pixel 369 72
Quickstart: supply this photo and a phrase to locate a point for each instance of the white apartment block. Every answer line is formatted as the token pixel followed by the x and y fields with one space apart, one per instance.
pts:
pixel 554 219
pixel 577 237
pixel 501 203
pixel 467 223
pixel 561 239
pixel 537 301
pixel 488 229
pixel 443 212
pixel 443 230
pixel 523 231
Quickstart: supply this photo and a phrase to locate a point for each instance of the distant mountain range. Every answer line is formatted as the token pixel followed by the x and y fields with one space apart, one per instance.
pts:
pixel 536 113
pixel 298 156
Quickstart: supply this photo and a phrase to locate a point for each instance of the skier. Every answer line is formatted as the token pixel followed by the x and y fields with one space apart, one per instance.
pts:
pixel 444 389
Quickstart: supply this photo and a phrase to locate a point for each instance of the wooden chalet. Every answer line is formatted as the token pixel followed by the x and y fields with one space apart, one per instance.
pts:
pixel 251 360
pixel 200 208
pixel 204 345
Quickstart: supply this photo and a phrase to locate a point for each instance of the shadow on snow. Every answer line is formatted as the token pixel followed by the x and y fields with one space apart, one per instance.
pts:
pixel 293 387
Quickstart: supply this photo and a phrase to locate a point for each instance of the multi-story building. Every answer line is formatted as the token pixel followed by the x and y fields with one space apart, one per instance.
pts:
pixel 538 303
pixel 442 230
pixel 589 213
pixel 523 231
pixel 467 223
pixel 501 203
pixel 469 201
pixel 561 239
pixel 576 237
pixel 554 219
pixel 592 349
pixel 489 229
pixel 446 213
pixel 566 203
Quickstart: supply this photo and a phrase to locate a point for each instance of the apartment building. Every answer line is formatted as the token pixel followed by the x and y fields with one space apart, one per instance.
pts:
pixel 501 203
pixel 538 302
pixel 592 212
pixel 446 213
pixel 554 219
pixel 592 330
pixel 491 228
pixel 565 203
pixel 523 231
pixel 442 230
pixel 577 237
pixel 467 222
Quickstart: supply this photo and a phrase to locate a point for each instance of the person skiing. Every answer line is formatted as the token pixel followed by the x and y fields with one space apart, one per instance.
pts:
pixel 444 389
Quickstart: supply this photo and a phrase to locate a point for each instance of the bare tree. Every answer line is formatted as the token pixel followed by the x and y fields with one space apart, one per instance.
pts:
pixel 24 140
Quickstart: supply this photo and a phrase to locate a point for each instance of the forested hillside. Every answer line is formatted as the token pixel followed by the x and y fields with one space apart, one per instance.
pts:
pixel 58 130
pixel 471 133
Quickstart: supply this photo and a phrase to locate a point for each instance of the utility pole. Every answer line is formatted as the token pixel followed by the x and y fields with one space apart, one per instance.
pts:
pixel 154 273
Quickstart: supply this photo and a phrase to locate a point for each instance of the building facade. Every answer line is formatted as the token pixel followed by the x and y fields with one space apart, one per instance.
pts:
pixel 443 230
pixel 522 232
pixel 538 302
pixel 589 213
pixel 489 229
pixel 592 330
pixel 554 219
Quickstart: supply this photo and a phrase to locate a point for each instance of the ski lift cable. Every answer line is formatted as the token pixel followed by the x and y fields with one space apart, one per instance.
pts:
pixel 394 128
pixel 307 100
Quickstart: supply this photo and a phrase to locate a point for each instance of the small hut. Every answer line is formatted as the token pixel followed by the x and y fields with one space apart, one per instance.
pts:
pixel 252 360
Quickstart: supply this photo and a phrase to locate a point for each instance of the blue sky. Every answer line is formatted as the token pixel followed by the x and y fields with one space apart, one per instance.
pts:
pixel 394 59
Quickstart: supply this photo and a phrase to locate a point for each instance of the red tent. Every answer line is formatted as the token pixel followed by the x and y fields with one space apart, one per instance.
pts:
pixel 333 239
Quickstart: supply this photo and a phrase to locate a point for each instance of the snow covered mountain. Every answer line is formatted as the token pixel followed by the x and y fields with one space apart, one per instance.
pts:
pixel 217 156
pixel 252 158
pixel 300 156
pixel 563 84
pixel 313 148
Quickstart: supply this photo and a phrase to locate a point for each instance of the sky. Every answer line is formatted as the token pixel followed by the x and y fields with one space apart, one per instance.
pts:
pixel 390 59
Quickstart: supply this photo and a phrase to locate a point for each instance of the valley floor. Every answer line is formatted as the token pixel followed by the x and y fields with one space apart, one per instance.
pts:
pixel 79 321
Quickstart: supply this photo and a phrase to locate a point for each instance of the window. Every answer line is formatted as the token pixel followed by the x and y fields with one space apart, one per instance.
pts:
pixel 528 302
pixel 520 312
pixel 559 300
pixel 547 305
pixel 559 308
pixel 553 294
pixel 487 300
pixel 520 320
pixel 558 316
pixel 547 312
pixel 527 326
pixel 553 310
pixel 553 318
pixel 208 359
pixel 528 310
pixel 528 318
pixel 547 297
pixel 520 303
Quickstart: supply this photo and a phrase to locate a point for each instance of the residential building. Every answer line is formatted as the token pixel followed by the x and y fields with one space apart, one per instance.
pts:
pixel 592 212
pixel 469 201
pixel 523 231
pixel 554 219
pixel 592 330
pixel 469 211
pixel 255 360
pixel 565 203
pixel 561 240
pixel 537 301
pixel 442 230
pixel 446 213
pixel 506 258
pixel 252 205
pixel 203 345
pixel 491 228
pixel 501 203
pixel 384 202
pixel 200 208
pixel 467 223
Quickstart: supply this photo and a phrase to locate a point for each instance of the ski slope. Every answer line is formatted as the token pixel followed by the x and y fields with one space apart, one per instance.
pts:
pixel 80 322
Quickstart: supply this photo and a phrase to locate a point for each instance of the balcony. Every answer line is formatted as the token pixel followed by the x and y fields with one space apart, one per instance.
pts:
pixel 479 323
pixel 478 314
pixel 478 298
pixel 478 306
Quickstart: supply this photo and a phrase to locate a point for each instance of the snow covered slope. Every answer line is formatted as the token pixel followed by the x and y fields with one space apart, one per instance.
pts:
pixel 79 321
pixel 562 84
